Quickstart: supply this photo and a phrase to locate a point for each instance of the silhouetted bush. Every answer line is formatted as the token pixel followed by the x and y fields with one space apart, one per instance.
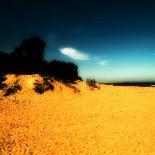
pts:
pixel 12 90
pixel 92 83
pixel 66 72
pixel 40 88
pixel 75 90
pixel 3 86
pixel 48 86
pixel 28 58
pixel 2 78
pixel 29 52
pixel 48 79
pixel 4 58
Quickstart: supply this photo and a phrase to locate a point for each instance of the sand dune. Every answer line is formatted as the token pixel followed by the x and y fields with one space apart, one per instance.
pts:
pixel 110 121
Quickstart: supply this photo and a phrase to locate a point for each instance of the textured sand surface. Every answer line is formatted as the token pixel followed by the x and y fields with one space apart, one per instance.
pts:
pixel 110 121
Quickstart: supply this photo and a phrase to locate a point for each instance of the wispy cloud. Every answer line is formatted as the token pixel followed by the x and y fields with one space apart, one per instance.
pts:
pixel 100 61
pixel 103 63
pixel 78 55
pixel 74 53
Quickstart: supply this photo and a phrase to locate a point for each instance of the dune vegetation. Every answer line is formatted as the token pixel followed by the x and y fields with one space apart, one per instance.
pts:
pixel 75 119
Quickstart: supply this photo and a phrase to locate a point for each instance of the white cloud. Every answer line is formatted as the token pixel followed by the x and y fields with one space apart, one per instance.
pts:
pixel 104 62
pixel 78 55
pixel 74 54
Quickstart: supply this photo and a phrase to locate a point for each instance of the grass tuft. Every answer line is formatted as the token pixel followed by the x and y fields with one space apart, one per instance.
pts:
pixel 12 90
pixel 92 83
pixel 40 88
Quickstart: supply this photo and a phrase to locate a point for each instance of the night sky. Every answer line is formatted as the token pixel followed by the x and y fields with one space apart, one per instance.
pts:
pixel 110 40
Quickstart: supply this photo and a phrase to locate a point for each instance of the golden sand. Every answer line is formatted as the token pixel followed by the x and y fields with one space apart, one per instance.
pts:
pixel 109 121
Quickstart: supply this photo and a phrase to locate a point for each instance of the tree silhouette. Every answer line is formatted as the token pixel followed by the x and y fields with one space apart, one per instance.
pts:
pixel 29 52
pixel 65 71
pixel 28 58
pixel 4 58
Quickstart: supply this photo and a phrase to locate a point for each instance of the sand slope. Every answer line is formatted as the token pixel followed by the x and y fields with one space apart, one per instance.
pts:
pixel 110 121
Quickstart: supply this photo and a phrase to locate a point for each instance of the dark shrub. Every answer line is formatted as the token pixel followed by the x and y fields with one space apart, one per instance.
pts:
pixel 92 83
pixel 75 90
pixel 3 86
pixel 48 86
pixel 17 86
pixel 40 88
pixel 4 58
pixel 29 52
pixel 2 78
pixel 66 72
pixel 12 90
pixel 47 79
pixel 28 58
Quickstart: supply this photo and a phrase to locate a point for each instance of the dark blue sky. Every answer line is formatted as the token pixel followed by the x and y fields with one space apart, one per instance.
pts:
pixel 110 40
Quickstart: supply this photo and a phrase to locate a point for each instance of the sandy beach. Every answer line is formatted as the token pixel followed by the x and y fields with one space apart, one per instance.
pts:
pixel 113 120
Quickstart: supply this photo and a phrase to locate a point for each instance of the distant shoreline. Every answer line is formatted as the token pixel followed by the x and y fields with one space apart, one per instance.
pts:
pixel 139 84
